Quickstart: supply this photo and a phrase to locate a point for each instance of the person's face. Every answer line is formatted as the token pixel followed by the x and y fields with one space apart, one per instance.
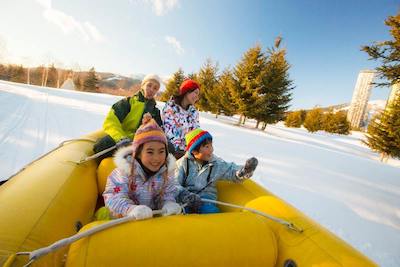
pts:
pixel 204 153
pixel 192 97
pixel 150 89
pixel 153 155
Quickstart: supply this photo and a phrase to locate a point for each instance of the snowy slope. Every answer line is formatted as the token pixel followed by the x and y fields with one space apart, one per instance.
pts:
pixel 334 179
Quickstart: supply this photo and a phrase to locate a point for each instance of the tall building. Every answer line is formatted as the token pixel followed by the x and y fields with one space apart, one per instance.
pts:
pixel 394 92
pixel 359 102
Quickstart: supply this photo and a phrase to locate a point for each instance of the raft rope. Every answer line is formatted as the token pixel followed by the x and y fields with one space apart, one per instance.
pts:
pixel 36 254
pixel 289 225
pixel 60 145
pixel 95 156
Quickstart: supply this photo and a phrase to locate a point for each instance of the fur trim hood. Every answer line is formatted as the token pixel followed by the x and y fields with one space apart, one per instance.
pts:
pixel 123 160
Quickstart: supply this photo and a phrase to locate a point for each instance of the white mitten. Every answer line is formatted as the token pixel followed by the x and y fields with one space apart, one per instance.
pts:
pixel 171 208
pixel 141 212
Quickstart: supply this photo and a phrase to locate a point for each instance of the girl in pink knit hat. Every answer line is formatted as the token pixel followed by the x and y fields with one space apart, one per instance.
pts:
pixel 143 180
pixel 180 116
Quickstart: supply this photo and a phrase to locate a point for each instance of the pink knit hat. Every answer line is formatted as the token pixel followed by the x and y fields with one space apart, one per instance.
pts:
pixel 147 132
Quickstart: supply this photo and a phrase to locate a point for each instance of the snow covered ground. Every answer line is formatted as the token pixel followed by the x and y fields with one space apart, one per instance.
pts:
pixel 334 179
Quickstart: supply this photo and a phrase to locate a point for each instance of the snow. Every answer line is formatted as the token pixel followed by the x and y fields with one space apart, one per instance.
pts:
pixel 334 179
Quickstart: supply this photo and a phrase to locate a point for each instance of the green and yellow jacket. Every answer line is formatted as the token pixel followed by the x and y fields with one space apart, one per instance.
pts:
pixel 125 116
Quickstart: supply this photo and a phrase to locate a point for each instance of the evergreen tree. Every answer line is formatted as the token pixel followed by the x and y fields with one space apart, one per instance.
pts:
pixel 91 81
pixel 36 75
pixel 336 122
pixel 172 87
pixel 192 76
pixel 17 74
pixel 3 72
pixel 52 76
pixel 78 81
pixel 313 120
pixel 274 94
pixel 388 52
pixel 294 119
pixel 248 80
pixel 207 79
pixel 224 89
pixel 383 133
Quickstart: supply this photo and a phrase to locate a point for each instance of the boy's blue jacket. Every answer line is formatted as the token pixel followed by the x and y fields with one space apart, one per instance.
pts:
pixel 197 175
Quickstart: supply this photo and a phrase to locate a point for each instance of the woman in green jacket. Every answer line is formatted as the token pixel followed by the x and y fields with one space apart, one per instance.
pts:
pixel 125 116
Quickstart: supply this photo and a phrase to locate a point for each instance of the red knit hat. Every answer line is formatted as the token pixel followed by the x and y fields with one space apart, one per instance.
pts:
pixel 188 85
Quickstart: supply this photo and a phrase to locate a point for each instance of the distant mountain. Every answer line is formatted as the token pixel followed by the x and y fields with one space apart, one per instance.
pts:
pixel 373 107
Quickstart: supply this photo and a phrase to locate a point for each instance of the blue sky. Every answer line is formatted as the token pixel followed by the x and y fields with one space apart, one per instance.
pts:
pixel 322 38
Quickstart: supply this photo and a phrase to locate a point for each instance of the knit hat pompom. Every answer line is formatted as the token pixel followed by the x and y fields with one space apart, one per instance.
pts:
pixel 188 85
pixel 147 132
pixel 153 77
pixel 195 138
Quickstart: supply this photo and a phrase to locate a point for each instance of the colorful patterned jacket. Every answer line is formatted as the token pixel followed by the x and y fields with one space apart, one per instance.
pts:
pixel 178 122
pixel 123 192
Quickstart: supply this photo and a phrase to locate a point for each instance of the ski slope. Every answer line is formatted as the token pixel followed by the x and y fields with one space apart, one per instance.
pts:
pixel 334 179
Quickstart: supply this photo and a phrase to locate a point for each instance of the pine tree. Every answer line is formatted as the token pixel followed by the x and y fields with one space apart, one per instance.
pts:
pixel 207 79
pixel 224 89
pixel 313 120
pixel 274 94
pixel 383 133
pixel 388 52
pixel 36 75
pixel 342 125
pixel 336 122
pixel 91 81
pixel 172 87
pixel 248 80
pixel 17 74
pixel 3 72
pixel 52 77
pixel 78 81
pixel 294 119
pixel 192 76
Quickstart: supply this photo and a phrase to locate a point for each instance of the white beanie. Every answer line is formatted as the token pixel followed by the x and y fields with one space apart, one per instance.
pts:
pixel 154 77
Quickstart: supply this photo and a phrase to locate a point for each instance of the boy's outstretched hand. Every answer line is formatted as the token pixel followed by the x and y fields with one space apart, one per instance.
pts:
pixel 248 169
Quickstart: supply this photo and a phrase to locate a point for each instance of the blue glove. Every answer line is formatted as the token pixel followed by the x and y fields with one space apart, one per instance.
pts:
pixel 192 200
pixel 124 142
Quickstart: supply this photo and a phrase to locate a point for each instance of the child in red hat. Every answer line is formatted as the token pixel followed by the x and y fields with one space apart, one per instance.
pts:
pixel 180 116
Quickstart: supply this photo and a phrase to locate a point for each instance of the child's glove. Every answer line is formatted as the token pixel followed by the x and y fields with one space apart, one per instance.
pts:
pixel 141 212
pixel 248 169
pixel 124 142
pixel 171 208
pixel 192 200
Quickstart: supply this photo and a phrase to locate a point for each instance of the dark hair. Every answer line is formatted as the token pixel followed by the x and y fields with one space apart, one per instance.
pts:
pixel 203 143
pixel 179 98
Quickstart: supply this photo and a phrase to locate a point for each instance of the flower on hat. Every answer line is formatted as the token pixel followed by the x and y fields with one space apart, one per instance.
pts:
pixel 195 138
pixel 188 85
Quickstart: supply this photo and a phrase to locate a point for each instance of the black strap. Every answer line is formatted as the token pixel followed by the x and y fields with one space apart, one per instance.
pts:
pixel 187 174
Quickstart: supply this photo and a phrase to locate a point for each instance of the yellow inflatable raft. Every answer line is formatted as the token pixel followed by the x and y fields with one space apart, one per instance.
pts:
pixel 52 197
